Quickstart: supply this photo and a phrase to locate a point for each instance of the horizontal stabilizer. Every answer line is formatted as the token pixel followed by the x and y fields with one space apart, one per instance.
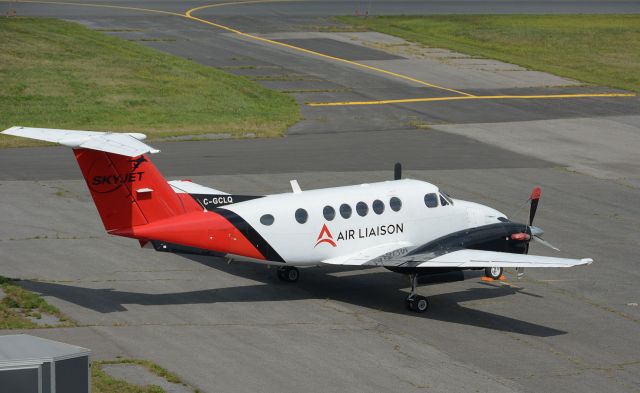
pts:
pixel 126 144
pixel 189 187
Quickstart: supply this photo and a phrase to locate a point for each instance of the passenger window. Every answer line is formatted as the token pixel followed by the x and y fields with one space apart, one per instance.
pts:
pixel 301 216
pixel 362 209
pixel 395 204
pixel 329 213
pixel 267 219
pixel 443 201
pixel 378 206
pixel 431 200
pixel 345 210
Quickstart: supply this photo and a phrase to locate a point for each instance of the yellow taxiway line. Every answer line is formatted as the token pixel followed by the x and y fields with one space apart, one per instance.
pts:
pixel 461 98
pixel 189 14
pixel 94 5
pixel 462 95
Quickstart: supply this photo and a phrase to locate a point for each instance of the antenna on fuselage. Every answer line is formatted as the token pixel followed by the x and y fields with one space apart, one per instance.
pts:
pixel 397 171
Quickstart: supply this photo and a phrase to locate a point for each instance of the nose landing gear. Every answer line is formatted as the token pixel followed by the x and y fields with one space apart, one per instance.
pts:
pixel 493 272
pixel 415 302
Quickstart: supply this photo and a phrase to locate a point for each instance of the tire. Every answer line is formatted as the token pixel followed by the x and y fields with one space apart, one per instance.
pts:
pixel 288 274
pixel 409 304
pixel 292 274
pixel 493 272
pixel 418 304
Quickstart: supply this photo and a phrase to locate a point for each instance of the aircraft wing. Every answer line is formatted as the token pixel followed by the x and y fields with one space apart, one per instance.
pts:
pixel 467 258
pixel 398 255
pixel 378 255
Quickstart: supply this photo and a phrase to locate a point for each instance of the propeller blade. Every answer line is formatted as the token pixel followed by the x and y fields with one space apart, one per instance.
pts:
pixel 534 198
pixel 544 242
pixel 397 171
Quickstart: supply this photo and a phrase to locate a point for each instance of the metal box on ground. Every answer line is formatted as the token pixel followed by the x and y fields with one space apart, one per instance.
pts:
pixel 31 364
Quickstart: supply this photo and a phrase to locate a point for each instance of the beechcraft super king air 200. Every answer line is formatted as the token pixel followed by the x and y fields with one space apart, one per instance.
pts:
pixel 407 226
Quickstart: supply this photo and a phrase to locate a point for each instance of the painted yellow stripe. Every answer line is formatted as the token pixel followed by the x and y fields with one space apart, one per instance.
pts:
pixel 463 95
pixel 459 98
pixel 189 15
pixel 235 3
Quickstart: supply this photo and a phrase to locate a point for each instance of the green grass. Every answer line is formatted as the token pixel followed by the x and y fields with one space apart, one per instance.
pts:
pixel 59 74
pixel 104 383
pixel 597 49
pixel 18 304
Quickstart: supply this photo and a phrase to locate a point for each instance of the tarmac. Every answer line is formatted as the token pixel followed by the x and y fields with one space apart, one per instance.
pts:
pixel 237 328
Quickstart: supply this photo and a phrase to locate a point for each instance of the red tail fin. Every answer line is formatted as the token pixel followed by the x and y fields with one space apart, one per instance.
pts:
pixel 127 191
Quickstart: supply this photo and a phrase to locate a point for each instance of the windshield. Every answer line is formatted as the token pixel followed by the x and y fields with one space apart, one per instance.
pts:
pixel 446 196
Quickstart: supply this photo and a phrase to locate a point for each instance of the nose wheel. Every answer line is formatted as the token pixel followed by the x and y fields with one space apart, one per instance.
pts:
pixel 415 302
pixel 493 272
pixel 288 273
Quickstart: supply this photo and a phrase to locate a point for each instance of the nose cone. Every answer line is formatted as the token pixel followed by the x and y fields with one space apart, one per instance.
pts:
pixel 492 215
pixel 478 214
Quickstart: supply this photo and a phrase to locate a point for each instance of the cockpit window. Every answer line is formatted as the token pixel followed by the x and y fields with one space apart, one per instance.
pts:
pixel 431 200
pixel 443 201
pixel 447 197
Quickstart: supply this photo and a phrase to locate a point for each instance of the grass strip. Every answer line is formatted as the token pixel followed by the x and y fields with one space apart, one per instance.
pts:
pixel 104 383
pixel 59 74
pixel 597 49
pixel 18 305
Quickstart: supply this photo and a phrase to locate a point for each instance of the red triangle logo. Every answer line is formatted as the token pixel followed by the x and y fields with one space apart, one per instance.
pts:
pixel 325 237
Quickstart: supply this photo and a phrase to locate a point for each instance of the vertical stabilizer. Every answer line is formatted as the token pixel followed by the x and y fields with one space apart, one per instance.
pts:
pixel 128 191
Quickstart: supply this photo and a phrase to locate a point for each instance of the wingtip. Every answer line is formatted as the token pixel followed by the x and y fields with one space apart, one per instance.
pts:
pixel 587 261
pixel 10 130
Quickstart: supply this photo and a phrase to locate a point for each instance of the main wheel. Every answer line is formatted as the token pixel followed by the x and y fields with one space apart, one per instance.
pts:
pixel 493 272
pixel 418 303
pixel 288 274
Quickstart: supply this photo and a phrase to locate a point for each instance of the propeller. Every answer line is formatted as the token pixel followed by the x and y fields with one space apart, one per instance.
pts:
pixel 397 171
pixel 544 242
pixel 536 232
pixel 534 198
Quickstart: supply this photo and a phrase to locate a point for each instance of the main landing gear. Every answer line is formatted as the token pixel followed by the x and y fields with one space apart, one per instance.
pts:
pixel 415 302
pixel 288 273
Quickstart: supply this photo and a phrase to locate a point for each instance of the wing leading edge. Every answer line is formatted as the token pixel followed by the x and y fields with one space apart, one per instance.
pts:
pixel 467 258
pixel 395 254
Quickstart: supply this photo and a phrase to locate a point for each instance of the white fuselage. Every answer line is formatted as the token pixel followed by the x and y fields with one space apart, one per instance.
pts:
pixel 309 242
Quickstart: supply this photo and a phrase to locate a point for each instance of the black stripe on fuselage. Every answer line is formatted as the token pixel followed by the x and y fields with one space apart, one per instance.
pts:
pixel 213 201
pixel 251 234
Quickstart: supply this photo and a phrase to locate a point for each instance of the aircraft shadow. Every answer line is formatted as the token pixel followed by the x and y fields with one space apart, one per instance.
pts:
pixel 374 289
